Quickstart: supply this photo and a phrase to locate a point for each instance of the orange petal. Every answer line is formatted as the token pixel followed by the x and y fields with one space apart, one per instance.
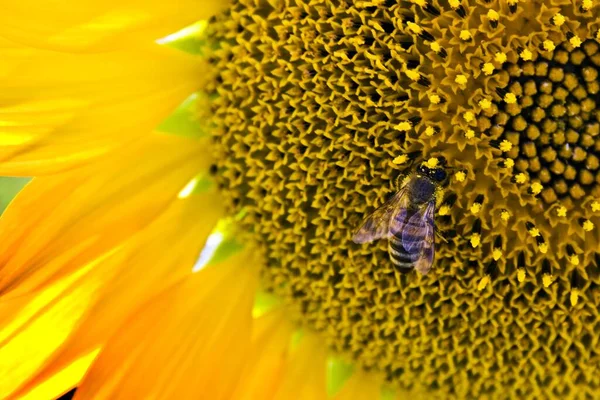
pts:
pixel 267 360
pixel 58 223
pixel 305 376
pixel 42 322
pixel 188 343
pixel 149 262
pixel 59 110
pixel 85 25
pixel 361 385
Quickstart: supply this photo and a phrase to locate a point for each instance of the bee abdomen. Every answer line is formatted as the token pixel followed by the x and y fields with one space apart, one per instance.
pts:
pixel 401 259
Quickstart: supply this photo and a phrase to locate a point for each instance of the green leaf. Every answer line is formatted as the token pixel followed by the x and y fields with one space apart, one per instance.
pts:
pixel 184 120
pixel 9 187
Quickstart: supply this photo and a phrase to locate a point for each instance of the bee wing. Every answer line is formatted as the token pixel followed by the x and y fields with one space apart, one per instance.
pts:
pixel 418 237
pixel 385 221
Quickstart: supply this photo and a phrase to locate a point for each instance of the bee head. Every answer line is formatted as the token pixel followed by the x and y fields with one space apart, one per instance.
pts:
pixel 437 174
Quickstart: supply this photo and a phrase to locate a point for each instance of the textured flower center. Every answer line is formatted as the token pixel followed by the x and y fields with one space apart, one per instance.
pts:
pixel 554 123
pixel 319 107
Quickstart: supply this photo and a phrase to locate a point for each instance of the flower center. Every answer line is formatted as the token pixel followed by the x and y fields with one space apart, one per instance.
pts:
pixel 554 123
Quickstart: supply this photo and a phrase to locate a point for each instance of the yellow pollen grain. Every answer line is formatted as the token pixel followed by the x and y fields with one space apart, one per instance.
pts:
pixel 536 188
pixel 561 211
pixel 510 98
pixel 470 134
pixel 401 159
pixel 587 4
pixel 521 177
pixel 475 240
pixel 421 3
pixel 521 275
pixel 444 210
pixel 535 232
pixel 574 259
pixel 575 41
pixel 475 208
pixel 430 131
pixel 543 248
pixel 414 27
pixel 588 225
pixel 412 75
pixel 435 47
pixel 465 35
pixel 493 15
pixel 558 19
pixel 435 99
pixel 574 297
pixel 509 163
pixel 404 126
pixel 469 116
pixel 432 162
pixel 460 176
pixel 454 3
pixel 548 45
pixel 461 79
pixel 595 206
pixel 526 55
pixel 547 279
pixel 505 145
pixel 497 254
pixel 485 104
pixel 488 69
pixel 500 57
pixel 483 282
pixel 505 215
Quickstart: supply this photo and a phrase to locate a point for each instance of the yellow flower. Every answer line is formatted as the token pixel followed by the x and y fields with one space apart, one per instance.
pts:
pixel 307 115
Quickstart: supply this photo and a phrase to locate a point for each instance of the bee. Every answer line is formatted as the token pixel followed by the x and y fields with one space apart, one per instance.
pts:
pixel 407 220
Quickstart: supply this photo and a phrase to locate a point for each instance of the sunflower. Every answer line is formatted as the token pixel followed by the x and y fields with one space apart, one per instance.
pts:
pixel 268 129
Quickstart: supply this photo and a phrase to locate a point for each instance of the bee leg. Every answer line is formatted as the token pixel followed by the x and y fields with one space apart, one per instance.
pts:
pixel 446 235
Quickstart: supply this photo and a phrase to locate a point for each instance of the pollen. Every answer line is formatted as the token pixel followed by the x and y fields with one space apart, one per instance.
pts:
pixel 465 35
pixel 510 98
pixel 404 126
pixel 485 104
pixel 521 274
pixel 460 176
pixel 435 99
pixel 520 178
pixel 414 27
pixel 548 45
pixel 543 248
pixel 475 240
pixel 444 210
pixel 461 80
pixel 558 19
pixel 493 15
pixel 497 254
pixel 575 41
pixel 432 162
pixel 547 279
pixel 574 259
pixel 574 297
pixel 587 4
pixel 561 211
pixel 488 68
pixel 483 282
pixel 500 57
pixel 588 225
pixel 475 208
pixel 536 188
pixel 469 133
pixel 526 55
pixel 435 46
pixel 534 232
pixel 505 215
pixel 595 206
pixel 469 116
pixel 430 131
pixel 401 159
pixel 505 146
pixel 509 163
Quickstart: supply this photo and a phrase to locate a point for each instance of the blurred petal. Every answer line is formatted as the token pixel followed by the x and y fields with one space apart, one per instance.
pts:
pixel 34 325
pixel 149 262
pixel 58 223
pixel 83 25
pixel 267 360
pixel 305 376
pixel 190 342
pixel 59 110
pixel 361 385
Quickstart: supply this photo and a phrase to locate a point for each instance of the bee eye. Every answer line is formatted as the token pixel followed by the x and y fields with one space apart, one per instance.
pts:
pixel 423 170
pixel 441 160
pixel 439 175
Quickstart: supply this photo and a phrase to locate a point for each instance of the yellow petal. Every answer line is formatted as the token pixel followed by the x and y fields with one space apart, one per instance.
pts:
pixel 59 110
pixel 149 262
pixel 42 322
pixel 267 360
pixel 361 385
pixel 190 342
pixel 59 223
pixel 85 25
pixel 306 376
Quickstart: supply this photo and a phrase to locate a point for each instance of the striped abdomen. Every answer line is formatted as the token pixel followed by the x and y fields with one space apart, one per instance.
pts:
pixel 402 259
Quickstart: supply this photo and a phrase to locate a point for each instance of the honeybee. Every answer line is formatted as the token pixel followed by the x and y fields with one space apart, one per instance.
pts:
pixel 407 220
